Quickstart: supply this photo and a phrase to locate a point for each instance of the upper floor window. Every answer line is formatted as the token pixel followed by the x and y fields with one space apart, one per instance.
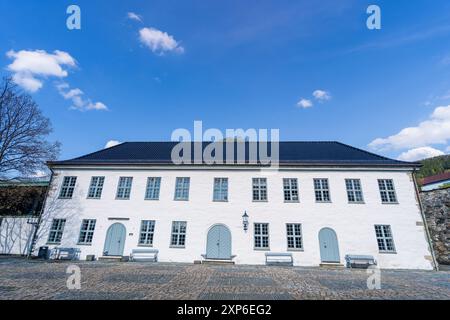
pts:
pixel 153 187
pixel 67 188
pixel 354 190
pixel 220 189
pixel 294 236
pixel 387 191
pixel 259 189
pixel 384 238
pixel 290 189
pixel 87 231
pixel 124 187
pixel 182 188
pixel 147 230
pixel 56 231
pixel 178 238
pixel 261 235
pixel 96 187
pixel 322 190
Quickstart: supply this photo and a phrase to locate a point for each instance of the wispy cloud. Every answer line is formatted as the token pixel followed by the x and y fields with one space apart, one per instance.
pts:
pixel 420 154
pixel 159 42
pixel 134 16
pixel 321 95
pixel 304 103
pixel 76 97
pixel 112 143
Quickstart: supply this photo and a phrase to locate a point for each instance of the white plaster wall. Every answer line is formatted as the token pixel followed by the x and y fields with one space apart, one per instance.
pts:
pixel 15 235
pixel 353 223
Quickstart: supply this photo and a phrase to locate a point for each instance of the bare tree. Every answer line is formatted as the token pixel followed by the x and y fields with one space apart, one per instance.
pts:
pixel 23 132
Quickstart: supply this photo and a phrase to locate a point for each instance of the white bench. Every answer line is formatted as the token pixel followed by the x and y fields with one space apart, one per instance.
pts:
pixel 59 253
pixel 359 261
pixel 279 258
pixel 144 255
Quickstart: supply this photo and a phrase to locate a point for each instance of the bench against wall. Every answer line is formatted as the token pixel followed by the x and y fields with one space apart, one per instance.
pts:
pixel 144 255
pixel 279 258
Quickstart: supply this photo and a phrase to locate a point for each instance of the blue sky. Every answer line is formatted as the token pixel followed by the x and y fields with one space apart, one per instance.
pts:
pixel 238 64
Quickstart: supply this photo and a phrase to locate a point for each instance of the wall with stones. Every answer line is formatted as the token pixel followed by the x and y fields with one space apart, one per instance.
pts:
pixel 436 205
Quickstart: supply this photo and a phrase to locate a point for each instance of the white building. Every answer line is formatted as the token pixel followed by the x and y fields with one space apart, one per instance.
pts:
pixel 326 200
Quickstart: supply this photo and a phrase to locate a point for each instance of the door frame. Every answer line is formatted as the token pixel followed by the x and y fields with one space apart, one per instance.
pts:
pixel 231 241
pixel 337 244
pixel 106 237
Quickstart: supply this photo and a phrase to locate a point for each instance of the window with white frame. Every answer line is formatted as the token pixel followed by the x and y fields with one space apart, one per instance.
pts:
pixel 290 189
pixel 322 190
pixel 261 235
pixel 56 231
pixel 67 188
pixel 96 187
pixel 87 231
pixel 384 238
pixel 178 238
pixel 220 189
pixel 124 188
pixel 354 190
pixel 182 188
pixel 294 236
pixel 147 231
pixel 259 189
pixel 387 191
pixel 153 187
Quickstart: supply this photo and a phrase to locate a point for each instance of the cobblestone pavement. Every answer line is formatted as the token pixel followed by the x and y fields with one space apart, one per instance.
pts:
pixel 32 279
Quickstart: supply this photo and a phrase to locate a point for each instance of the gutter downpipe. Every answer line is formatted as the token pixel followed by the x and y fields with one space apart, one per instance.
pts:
pixel 427 231
pixel 36 227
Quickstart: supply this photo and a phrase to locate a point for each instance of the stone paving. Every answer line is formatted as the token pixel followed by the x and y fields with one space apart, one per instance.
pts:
pixel 32 279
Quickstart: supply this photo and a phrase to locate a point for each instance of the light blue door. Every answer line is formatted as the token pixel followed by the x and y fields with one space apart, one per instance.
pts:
pixel 329 249
pixel 115 240
pixel 218 244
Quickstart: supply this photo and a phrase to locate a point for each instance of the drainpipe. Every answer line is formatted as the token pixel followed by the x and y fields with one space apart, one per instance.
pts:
pixel 38 223
pixel 427 231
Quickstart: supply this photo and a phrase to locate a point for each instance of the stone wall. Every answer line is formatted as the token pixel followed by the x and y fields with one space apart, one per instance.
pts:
pixel 436 205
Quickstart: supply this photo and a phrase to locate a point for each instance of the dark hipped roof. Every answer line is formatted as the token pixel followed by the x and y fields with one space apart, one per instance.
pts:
pixel 320 153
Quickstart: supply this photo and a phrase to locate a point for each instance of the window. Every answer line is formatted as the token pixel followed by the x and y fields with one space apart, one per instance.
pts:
pixel 124 188
pixel 96 187
pixel 56 231
pixel 322 190
pixel 290 188
pixel 220 189
pixel 153 186
pixel 182 188
pixel 294 236
pixel 68 187
pixel 261 236
pixel 259 189
pixel 387 191
pixel 87 231
pixel 384 238
pixel 178 234
pixel 354 190
pixel 147 230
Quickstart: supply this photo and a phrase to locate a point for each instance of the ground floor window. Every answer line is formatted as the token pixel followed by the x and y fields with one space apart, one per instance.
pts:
pixel 56 231
pixel 178 238
pixel 87 231
pixel 384 238
pixel 294 236
pixel 261 235
pixel 147 230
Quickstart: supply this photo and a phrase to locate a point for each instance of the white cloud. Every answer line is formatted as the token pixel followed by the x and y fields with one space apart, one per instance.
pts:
pixel 29 67
pixel 322 95
pixel 134 16
pixel 112 143
pixel 435 130
pixel 420 154
pixel 158 41
pixel 78 102
pixel 304 103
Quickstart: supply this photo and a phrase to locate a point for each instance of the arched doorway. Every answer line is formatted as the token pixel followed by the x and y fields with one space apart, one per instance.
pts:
pixel 115 240
pixel 329 248
pixel 218 244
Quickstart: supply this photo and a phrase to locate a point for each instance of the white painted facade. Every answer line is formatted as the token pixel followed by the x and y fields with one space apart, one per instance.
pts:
pixel 353 223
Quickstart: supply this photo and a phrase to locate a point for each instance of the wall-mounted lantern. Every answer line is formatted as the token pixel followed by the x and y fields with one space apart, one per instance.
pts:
pixel 245 221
